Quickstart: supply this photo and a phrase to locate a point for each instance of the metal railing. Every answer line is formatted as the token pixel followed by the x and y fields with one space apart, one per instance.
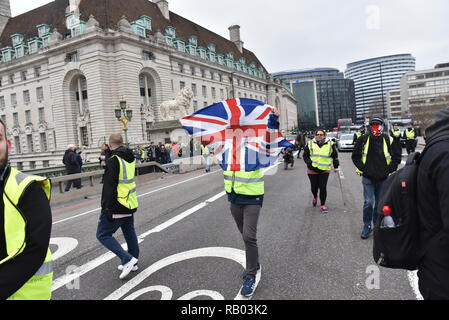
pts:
pixel 91 174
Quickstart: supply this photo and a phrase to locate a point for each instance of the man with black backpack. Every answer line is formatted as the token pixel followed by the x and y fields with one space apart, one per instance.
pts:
pixel 433 210
pixel 376 156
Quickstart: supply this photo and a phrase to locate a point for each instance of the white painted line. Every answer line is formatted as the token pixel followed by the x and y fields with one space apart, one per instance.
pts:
pixel 138 196
pixel 78 272
pixel 220 252
pixel 413 279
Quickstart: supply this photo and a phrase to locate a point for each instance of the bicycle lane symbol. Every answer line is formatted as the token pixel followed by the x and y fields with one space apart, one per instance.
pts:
pixel 216 252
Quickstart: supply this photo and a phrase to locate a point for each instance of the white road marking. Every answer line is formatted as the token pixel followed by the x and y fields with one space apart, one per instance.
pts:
pixel 138 196
pixel 65 245
pixel 78 272
pixel 219 252
pixel 413 279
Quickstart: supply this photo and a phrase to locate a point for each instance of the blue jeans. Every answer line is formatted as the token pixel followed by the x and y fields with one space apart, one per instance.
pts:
pixel 371 194
pixel 107 228
pixel 207 158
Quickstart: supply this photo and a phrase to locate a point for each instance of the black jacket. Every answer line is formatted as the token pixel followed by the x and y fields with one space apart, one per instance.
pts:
pixel 308 161
pixel 433 211
pixel 71 163
pixel 36 209
pixel 109 202
pixel 376 168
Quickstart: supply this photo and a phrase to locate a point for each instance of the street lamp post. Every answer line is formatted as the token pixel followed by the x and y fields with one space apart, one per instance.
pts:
pixel 124 115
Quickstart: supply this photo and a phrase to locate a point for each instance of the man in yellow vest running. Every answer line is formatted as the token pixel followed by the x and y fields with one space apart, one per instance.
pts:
pixel 376 156
pixel 245 192
pixel 26 269
pixel 118 205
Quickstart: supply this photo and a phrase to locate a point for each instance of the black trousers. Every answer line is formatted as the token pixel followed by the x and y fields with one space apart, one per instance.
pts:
pixel 318 182
pixel 411 146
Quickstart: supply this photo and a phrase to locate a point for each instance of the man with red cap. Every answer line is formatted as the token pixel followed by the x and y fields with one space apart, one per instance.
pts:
pixel 376 156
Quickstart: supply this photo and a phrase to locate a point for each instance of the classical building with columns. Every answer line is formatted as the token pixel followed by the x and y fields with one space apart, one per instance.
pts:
pixel 66 66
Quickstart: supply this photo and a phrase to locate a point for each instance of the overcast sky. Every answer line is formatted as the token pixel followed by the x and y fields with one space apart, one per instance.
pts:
pixel 297 34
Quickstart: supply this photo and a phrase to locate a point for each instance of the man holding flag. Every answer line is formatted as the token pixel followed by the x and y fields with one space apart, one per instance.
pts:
pixel 244 136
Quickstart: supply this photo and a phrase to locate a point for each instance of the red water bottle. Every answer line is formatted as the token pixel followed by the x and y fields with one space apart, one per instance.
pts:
pixel 387 220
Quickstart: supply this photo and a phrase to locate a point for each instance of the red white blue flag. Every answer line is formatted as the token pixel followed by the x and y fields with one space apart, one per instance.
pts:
pixel 243 134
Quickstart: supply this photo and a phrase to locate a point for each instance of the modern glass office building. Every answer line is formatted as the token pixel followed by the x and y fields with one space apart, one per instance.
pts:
pixel 323 96
pixel 374 78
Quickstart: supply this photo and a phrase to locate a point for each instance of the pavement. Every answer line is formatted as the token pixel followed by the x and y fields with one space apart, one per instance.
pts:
pixel 190 247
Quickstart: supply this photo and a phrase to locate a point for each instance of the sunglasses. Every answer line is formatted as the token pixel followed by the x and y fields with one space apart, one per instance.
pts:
pixel 320 134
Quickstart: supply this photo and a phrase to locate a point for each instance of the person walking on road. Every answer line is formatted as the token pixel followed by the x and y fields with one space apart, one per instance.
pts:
pixel 433 211
pixel 26 267
pixel 300 142
pixel 410 136
pixel 376 156
pixel 72 166
pixel 119 204
pixel 245 192
pixel 319 154
pixel 396 133
pixel 358 134
pixel 206 154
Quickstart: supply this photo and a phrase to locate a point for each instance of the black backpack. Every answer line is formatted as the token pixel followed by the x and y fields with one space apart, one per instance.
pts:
pixel 398 247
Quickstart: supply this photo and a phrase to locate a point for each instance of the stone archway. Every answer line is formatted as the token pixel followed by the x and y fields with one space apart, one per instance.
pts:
pixel 77 108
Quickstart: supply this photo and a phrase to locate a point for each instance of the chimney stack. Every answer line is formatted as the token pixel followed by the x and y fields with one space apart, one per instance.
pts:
pixel 234 33
pixel 163 6
pixel 5 14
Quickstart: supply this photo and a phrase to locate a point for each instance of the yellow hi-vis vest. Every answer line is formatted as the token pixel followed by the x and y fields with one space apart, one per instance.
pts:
pixel 386 153
pixel 205 150
pixel 358 134
pixel 126 188
pixel 396 133
pixel 410 134
pixel 321 157
pixel 245 183
pixel 38 287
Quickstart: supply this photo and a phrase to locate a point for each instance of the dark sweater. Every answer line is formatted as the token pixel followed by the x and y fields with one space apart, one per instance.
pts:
pixel 109 200
pixel 433 211
pixel 376 168
pixel 37 212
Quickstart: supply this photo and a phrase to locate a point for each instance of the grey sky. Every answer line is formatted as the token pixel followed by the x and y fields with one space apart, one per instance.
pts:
pixel 297 34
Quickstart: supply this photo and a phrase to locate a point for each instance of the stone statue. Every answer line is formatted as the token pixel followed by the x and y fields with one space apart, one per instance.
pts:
pixel 180 104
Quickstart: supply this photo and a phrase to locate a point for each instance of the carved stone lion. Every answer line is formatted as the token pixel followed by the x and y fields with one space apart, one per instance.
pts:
pixel 179 105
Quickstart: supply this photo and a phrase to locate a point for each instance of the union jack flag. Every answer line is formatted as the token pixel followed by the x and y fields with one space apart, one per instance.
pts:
pixel 242 134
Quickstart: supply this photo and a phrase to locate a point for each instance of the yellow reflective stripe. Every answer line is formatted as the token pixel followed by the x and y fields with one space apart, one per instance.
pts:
pixel 243 180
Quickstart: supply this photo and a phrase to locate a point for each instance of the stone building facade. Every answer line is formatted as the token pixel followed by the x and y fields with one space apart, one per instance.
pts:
pixel 66 66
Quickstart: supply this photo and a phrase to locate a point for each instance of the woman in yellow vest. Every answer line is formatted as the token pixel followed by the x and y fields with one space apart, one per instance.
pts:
pixel 245 192
pixel 26 269
pixel 319 155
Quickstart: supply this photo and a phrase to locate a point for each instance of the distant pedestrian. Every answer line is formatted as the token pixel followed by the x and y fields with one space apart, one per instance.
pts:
pixel 206 155
pixel 376 156
pixel 78 152
pixel 319 155
pixel 26 267
pixel 410 136
pixel 118 205
pixel 358 134
pixel 300 142
pixel 396 133
pixel 72 166
pixel 433 211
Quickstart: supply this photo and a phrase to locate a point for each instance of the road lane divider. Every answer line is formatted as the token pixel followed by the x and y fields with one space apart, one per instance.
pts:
pixel 138 196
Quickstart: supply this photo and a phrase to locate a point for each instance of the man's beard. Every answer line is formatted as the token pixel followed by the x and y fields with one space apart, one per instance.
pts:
pixel 4 160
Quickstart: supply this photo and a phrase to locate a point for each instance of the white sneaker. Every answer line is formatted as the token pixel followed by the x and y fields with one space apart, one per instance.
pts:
pixel 127 267
pixel 134 269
